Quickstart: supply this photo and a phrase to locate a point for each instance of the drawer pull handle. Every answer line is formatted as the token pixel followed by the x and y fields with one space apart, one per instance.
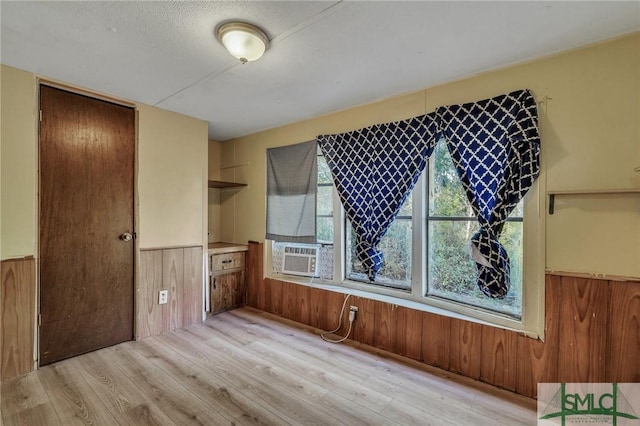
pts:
pixel 227 261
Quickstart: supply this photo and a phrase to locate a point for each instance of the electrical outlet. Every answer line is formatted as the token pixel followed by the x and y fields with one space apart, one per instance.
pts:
pixel 352 313
pixel 163 297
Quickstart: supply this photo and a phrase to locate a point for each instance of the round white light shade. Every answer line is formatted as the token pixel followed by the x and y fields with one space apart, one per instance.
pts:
pixel 244 41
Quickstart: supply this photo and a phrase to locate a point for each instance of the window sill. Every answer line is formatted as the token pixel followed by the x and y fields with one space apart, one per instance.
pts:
pixel 349 288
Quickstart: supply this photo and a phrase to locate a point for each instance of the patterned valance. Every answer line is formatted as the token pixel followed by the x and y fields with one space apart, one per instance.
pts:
pixel 495 146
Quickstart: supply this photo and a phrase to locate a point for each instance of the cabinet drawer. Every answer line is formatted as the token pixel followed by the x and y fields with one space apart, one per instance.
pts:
pixel 221 262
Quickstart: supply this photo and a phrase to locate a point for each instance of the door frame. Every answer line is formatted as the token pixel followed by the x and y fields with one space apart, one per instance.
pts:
pixel 136 246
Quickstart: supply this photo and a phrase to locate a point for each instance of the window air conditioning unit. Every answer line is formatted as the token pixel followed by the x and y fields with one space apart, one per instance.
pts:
pixel 300 261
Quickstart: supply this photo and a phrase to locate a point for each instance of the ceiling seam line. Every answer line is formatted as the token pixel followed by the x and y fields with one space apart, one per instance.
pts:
pixel 315 18
pixel 275 40
pixel 213 74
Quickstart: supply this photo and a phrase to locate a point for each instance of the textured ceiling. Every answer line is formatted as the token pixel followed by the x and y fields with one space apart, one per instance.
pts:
pixel 324 56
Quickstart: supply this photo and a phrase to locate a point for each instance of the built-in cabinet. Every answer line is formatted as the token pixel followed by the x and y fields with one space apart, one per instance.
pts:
pixel 227 274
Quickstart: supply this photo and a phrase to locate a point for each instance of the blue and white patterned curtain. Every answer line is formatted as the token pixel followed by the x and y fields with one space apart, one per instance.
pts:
pixel 495 147
pixel 374 170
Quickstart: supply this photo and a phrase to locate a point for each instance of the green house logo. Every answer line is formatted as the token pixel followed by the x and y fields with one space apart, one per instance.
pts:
pixel 592 403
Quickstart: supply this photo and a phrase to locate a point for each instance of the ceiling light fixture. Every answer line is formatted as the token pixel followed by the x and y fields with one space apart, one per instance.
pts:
pixel 244 41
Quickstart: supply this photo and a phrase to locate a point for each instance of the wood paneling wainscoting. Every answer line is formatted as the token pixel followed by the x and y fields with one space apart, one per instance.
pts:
pixel 592 331
pixel 178 270
pixel 18 313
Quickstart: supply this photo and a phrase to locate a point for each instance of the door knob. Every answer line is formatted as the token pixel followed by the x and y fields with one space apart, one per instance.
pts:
pixel 126 237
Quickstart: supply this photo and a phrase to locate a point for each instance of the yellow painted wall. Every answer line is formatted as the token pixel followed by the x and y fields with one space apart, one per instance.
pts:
pixel 590 128
pixel 215 152
pixel 595 140
pixel 172 171
pixel 18 143
pixel 232 171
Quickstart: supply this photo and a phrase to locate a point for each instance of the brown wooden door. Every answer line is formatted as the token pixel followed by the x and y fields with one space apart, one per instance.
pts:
pixel 87 149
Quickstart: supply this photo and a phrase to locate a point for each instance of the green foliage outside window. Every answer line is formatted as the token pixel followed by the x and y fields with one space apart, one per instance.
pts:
pixel 452 223
pixel 396 247
pixel 324 204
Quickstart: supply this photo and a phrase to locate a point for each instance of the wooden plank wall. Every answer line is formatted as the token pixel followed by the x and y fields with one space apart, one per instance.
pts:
pixel 592 331
pixel 18 312
pixel 178 270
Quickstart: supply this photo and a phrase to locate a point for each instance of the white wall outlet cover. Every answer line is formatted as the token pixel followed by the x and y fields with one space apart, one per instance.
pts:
pixel 163 297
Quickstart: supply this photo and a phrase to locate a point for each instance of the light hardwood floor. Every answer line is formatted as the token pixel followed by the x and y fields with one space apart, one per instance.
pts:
pixel 248 367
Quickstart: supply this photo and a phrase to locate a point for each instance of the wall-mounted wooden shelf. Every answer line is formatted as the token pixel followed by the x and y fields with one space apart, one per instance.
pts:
pixel 553 194
pixel 223 184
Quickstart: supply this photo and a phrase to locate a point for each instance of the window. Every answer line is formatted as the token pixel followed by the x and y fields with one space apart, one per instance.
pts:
pixel 324 203
pixel 324 224
pixel 426 251
pixel 396 246
pixel 450 224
